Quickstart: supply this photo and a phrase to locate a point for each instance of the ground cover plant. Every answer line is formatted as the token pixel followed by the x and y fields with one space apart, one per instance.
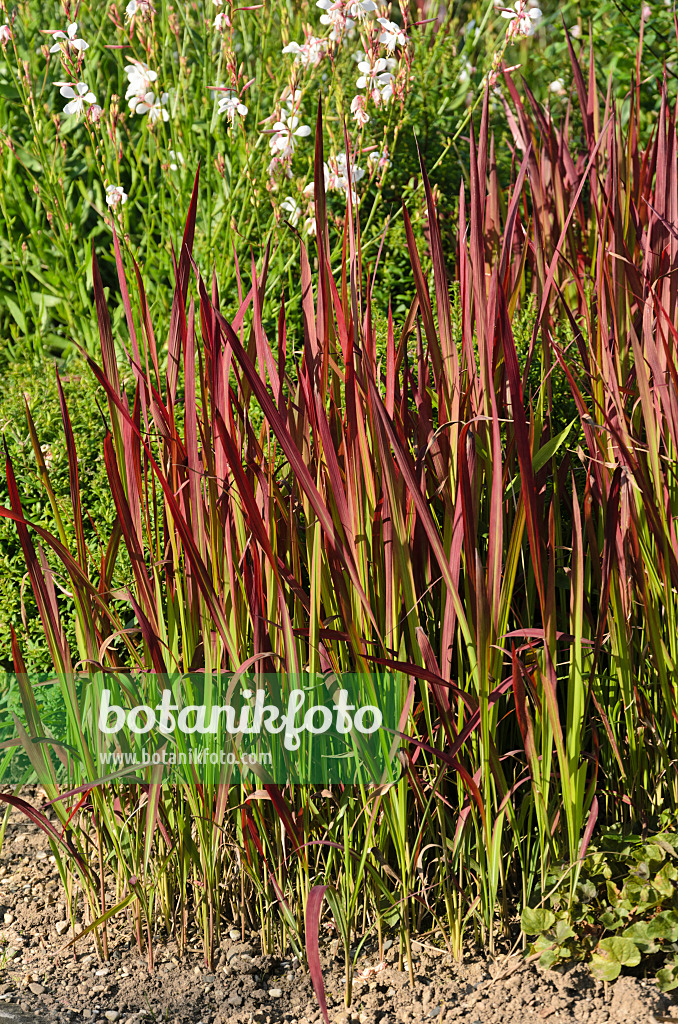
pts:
pixel 411 498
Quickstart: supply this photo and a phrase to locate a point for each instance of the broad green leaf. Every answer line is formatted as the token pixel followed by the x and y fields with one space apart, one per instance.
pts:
pixel 603 968
pixel 548 450
pixel 613 954
pixel 15 310
pixel 610 920
pixel 537 920
pixel 639 933
pixel 563 932
pixel 667 978
pixel 664 926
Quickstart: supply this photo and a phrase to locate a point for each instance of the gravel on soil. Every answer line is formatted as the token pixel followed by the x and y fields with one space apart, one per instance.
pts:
pixel 39 981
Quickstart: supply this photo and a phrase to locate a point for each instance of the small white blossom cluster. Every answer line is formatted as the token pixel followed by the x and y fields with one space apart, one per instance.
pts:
pixel 378 70
pixel 6 35
pixel 523 18
pixel 376 77
pixel 139 8
pixel 309 53
pixel 336 17
pixel 377 62
pixel 81 99
pixel 284 134
pixel 79 95
pixel 230 103
pixel 336 173
pixel 222 19
pixel 141 93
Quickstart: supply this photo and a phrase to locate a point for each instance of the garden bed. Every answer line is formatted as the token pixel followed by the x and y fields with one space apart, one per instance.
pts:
pixel 41 980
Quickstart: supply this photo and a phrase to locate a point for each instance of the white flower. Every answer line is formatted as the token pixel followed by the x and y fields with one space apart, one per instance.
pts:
pixel 115 195
pixel 334 11
pixel 378 159
pixel 5 34
pixel 522 20
pixel 229 103
pixel 78 94
pixel 575 31
pixel 335 17
pixel 557 86
pixel 385 86
pixel 310 226
pixel 149 104
pixel 293 99
pixel 222 19
pixel 377 78
pixel 307 54
pixel 285 130
pixel 358 110
pixel 392 35
pixel 143 7
pixel 140 79
pixel 342 174
pixel 310 188
pixel 341 29
pixel 291 207
pixel 369 71
pixel 176 159
pixel 70 39
pixel 361 8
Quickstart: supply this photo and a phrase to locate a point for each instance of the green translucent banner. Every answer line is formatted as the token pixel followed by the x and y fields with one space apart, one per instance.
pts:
pixel 215 728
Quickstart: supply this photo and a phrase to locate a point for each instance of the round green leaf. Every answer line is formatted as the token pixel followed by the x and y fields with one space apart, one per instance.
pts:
pixel 536 920
pixel 611 955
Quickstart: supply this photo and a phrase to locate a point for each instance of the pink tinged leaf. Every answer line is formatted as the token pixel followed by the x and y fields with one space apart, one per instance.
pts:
pixel 51 625
pixel 312 918
pixel 132 543
pixel 297 464
pixel 73 476
pixel 177 331
pixel 45 825
pixel 590 826
pixel 122 280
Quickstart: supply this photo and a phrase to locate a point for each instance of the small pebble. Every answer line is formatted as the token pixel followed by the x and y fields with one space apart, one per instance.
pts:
pixel 61 927
pixel 102 973
pixel 36 989
pixel 112 1014
pixel 275 993
pixel 234 934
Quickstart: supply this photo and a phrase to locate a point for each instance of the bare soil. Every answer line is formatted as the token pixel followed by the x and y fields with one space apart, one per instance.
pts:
pixel 40 981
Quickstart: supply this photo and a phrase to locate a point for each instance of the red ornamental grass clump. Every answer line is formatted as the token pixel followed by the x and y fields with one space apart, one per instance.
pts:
pixel 412 502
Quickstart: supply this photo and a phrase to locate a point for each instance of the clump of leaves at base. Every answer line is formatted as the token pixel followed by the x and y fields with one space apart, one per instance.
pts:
pixel 624 912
